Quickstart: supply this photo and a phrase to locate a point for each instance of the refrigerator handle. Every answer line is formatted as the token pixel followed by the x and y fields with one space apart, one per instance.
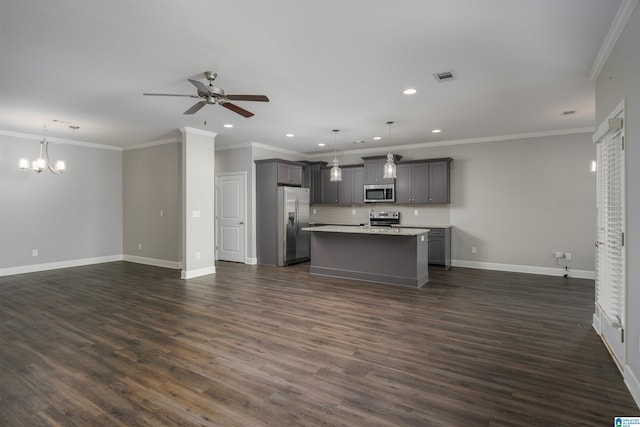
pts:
pixel 297 212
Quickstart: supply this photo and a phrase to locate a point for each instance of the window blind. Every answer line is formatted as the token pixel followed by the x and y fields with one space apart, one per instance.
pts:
pixel 610 257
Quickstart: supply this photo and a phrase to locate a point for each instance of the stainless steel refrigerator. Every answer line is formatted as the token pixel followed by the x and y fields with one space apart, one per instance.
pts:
pixel 293 214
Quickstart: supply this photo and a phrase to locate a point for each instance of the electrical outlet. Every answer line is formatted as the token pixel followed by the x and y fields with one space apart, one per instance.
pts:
pixel 567 256
pixel 314 211
pixel 161 212
pixel 139 246
pixel 474 250
pixel 34 252
pixel 197 255
pixel 353 211
pixel 559 255
pixel 415 212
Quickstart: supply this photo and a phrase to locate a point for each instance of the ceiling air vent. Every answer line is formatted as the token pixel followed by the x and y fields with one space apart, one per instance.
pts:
pixel 445 76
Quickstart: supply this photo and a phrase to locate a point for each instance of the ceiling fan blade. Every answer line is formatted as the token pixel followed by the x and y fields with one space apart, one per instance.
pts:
pixel 237 109
pixel 200 86
pixel 261 98
pixel 169 94
pixel 196 107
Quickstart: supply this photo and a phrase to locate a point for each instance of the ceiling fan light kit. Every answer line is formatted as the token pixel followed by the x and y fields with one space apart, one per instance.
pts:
pixel 214 95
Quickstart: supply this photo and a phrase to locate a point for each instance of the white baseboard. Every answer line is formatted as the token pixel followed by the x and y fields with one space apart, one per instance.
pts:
pixel 197 273
pixel 548 271
pixel 57 265
pixel 176 265
pixel 631 380
pixel 251 261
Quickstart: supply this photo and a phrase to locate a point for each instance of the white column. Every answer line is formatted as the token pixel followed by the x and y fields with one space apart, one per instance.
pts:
pixel 198 202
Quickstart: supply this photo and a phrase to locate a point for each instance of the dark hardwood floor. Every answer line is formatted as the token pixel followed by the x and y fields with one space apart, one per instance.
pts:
pixel 123 344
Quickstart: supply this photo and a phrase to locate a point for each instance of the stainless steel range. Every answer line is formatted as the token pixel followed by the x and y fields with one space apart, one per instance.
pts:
pixel 383 218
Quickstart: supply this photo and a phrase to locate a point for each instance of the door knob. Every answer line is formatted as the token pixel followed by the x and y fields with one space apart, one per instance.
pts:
pixel 241 223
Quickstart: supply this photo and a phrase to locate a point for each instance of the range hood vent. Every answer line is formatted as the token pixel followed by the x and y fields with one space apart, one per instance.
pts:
pixel 444 76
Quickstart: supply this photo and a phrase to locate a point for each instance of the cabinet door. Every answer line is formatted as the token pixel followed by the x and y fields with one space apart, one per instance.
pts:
pixel 358 185
pixel 439 182
pixel 420 179
pixel 436 250
pixel 345 187
pixel 403 184
pixel 289 174
pixel 329 189
pixel 371 172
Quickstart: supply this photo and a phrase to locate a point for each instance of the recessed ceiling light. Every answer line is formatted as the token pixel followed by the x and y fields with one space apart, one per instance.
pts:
pixel 436 131
pixel 290 135
pixel 228 125
pixel 409 91
pixel 377 138
pixel 322 144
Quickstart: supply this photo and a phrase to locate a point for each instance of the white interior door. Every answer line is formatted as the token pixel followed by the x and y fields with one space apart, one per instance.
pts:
pixel 610 248
pixel 231 217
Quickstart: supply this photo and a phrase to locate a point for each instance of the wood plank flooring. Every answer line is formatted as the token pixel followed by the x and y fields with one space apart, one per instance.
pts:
pixel 122 344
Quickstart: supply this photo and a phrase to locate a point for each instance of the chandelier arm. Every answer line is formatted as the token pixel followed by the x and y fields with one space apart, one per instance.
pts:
pixel 46 159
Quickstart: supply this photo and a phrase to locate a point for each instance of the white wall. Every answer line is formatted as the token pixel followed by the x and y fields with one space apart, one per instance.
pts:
pixel 71 219
pixel 620 79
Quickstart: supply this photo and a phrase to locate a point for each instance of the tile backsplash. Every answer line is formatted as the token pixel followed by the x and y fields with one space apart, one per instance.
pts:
pixel 433 216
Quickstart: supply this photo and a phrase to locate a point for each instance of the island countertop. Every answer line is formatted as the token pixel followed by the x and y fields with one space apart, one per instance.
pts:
pixel 353 229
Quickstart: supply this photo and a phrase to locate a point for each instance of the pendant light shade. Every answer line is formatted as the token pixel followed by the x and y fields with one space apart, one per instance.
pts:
pixel 390 166
pixel 336 172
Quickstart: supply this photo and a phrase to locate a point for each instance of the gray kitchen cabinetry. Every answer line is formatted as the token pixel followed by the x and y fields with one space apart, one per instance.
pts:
pixel 423 181
pixel 328 189
pixel 312 179
pixel 269 177
pixel 289 173
pixel 439 181
pixel 348 191
pixel 374 169
pixel 412 182
pixel 351 188
pixel 440 246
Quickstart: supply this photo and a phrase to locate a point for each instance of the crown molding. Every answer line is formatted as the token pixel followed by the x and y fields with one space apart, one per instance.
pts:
pixel 151 144
pixel 617 26
pixel 187 129
pixel 38 138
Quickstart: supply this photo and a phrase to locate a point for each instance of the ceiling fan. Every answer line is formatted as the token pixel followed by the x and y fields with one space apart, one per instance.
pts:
pixel 214 95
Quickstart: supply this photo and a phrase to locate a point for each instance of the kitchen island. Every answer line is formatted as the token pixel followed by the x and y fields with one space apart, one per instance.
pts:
pixel 393 256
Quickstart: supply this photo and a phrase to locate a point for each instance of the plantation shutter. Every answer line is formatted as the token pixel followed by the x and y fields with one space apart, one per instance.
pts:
pixel 610 256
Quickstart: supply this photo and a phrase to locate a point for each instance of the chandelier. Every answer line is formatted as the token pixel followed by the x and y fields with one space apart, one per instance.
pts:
pixel 43 162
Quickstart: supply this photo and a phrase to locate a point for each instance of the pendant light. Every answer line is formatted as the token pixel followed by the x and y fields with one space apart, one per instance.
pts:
pixel 390 166
pixel 336 173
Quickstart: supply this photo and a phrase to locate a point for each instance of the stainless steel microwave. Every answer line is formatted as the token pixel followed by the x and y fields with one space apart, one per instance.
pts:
pixel 377 193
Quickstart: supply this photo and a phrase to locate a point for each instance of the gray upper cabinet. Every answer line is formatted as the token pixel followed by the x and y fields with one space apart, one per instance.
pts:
pixel 329 189
pixel 312 179
pixel 374 170
pixel 289 174
pixel 351 188
pixel 423 181
pixel 439 181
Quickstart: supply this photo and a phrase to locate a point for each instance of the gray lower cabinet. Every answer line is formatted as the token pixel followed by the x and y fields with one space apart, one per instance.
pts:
pixel 440 246
pixel 423 181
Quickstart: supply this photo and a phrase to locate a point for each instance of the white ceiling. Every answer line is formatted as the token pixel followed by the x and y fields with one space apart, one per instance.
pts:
pixel 325 64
